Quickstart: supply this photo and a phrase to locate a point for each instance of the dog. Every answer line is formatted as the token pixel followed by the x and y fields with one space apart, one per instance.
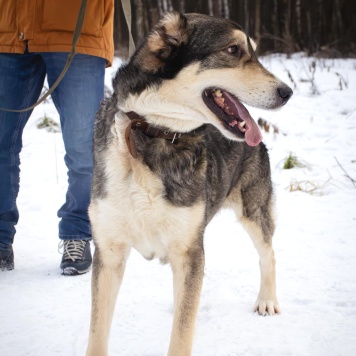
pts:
pixel 173 145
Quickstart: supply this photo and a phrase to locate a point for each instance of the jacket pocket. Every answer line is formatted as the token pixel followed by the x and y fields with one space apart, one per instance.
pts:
pixel 8 16
pixel 61 15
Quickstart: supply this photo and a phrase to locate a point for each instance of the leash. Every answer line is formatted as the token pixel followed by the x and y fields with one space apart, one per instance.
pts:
pixel 126 6
pixel 76 35
pixel 139 123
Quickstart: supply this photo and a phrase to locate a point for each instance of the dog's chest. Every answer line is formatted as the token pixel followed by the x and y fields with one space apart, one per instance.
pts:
pixel 147 220
pixel 147 215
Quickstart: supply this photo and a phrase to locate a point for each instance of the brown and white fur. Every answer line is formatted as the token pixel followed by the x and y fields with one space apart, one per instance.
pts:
pixel 160 200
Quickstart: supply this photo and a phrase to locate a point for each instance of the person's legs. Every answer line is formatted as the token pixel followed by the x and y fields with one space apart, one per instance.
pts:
pixel 22 77
pixel 77 99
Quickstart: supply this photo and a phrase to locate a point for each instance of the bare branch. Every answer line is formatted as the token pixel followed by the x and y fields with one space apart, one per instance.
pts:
pixel 346 174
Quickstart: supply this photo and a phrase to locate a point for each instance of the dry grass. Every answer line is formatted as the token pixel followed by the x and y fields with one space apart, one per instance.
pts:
pixel 49 124
pixel 307 186
pixel 269 127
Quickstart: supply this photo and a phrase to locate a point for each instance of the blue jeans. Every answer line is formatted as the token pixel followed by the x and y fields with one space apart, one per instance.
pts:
pixel 77 98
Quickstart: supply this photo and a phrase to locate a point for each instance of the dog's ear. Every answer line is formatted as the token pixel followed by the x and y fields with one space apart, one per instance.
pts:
pixel 169 34
pixel 163 42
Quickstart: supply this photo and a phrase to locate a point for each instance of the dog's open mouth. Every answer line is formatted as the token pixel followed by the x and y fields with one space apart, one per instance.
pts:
pixel 233 115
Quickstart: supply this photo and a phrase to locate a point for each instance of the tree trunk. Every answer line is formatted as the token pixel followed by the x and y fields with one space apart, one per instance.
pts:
pixel 169 5
pixel 275 25
pixel 217 8
pixel 286 33
pixel 258 23
pixel 178 5
pixel 140 25
pixel 339 25
pixel 310 35
pixel 121 33
pixel 160 7
pixel 319 31
pixel 226 9
pixel 247 17
pixel 299 21
pixel 182 6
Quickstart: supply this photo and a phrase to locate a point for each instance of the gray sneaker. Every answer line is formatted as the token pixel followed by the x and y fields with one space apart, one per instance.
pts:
pixel 76 257
pixel 7 259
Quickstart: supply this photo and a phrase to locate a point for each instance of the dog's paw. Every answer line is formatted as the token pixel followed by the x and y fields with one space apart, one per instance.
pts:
pixel 267 306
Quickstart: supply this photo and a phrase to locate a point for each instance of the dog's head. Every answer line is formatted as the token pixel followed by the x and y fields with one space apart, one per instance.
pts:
pixel 195 69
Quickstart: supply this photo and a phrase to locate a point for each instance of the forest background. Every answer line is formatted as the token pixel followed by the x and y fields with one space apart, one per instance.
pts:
pixel 325 28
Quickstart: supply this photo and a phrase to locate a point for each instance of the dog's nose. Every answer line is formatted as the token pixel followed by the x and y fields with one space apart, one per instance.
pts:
pixel 285 93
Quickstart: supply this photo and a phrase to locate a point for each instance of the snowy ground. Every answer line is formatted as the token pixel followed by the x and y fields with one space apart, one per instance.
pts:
pixel 43 313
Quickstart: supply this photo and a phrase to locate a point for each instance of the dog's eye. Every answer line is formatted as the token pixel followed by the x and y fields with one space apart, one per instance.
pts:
pixel 235 51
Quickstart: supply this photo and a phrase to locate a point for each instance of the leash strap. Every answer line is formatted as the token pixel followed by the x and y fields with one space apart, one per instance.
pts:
pixel 76 35
pixel 126 6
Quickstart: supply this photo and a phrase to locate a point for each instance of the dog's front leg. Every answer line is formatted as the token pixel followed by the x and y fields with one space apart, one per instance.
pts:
pixel 267 298
pixel 188 272
pixel 108 270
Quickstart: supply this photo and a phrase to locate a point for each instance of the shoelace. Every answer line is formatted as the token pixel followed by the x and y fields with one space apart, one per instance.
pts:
pixel 72 249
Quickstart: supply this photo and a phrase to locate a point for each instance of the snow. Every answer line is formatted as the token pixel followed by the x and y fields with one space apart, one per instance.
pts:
pixel 43 313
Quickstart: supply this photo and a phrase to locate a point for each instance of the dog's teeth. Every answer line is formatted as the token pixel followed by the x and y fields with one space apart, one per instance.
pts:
pixel 218 92
pixel 241 125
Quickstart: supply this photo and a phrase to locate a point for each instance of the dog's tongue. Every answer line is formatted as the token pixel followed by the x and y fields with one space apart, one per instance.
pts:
pixel 253 134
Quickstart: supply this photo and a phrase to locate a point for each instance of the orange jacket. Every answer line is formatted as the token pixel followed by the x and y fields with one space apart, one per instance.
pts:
pixel 48 25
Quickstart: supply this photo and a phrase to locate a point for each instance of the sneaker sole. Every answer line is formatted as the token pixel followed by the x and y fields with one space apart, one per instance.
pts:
pixel 71 271
pixel 7 267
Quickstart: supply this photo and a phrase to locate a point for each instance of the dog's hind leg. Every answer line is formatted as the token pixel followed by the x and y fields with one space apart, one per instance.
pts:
pixel 108 270
pixel 188 272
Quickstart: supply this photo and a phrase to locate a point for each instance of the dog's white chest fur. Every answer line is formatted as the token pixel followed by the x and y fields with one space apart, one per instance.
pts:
pixel 137 209
pixel 147 217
